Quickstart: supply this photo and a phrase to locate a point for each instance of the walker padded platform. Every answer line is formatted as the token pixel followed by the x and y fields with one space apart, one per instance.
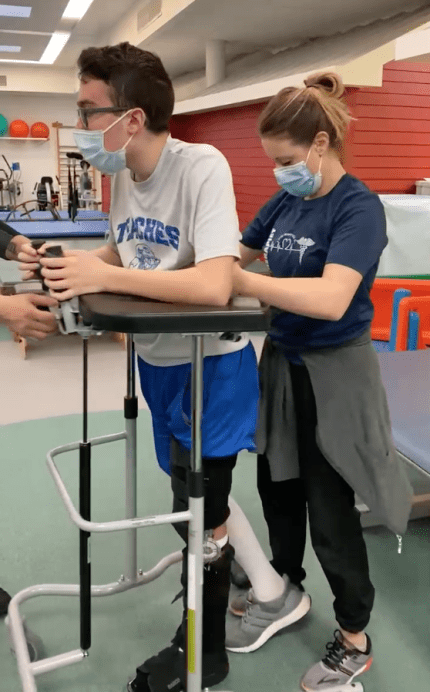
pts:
pixel 84 214
pixel 49 228
pixel 406 376
pixel 130 314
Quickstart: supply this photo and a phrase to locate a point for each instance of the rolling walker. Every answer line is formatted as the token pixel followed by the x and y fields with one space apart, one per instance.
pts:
pixel 93 314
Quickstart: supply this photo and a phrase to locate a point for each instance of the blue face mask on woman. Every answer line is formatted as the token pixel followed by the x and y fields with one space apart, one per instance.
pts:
pixel 297 179
pixel 91 145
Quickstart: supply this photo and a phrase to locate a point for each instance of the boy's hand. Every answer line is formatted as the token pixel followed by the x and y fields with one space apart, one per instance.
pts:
pixel 77 273
pixel 30 259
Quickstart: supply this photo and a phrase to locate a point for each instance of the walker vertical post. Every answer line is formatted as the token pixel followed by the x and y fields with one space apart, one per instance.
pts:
pixel 85 510
pixel 196 527
pixel 130 415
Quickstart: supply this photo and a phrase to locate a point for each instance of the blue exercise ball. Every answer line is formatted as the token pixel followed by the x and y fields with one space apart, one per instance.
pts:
pixel 3 125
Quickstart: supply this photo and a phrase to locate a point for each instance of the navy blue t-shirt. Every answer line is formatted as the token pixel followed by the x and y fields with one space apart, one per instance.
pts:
pixel 299 237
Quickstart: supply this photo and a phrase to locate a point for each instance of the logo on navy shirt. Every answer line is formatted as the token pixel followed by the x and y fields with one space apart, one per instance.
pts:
pixel 145 258
pixel 289 243
pixel 150 230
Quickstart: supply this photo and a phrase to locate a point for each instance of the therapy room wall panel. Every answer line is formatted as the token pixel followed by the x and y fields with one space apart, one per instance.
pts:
pixel 390 145
pixel 234 132
pixel 387 146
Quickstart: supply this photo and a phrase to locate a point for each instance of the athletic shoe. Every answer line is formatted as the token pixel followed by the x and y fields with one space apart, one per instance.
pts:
pixel 5 599
pixel 240 595
pixel 238 600
pixel 263 619
pixel 167 670
pixel 338 667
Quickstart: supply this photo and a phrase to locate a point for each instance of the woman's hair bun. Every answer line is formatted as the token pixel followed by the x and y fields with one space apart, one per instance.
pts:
pixel 329 82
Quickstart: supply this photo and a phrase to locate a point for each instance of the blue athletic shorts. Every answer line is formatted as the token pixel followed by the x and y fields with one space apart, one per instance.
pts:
pixel 230 404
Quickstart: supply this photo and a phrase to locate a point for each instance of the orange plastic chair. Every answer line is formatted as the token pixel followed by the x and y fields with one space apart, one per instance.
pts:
pixel 421 306
pixel 382 299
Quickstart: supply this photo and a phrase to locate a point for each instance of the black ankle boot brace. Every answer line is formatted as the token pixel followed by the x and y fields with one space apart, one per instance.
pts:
pixel 167 671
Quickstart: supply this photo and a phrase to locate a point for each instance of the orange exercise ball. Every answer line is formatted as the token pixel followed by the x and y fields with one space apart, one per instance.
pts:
pixel 18 128
pixel 40 130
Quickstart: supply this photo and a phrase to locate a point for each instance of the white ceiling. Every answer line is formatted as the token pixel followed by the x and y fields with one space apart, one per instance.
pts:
pixel 94 28
pixel 246 25
pixel 249 25
pixel 34 33
pixel 45 15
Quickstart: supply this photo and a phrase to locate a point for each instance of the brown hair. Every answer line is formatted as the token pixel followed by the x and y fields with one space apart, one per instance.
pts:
pixel 137 79
pixel 300 113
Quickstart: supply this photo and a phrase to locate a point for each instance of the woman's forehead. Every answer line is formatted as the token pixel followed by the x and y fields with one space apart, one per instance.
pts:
pixel 277 148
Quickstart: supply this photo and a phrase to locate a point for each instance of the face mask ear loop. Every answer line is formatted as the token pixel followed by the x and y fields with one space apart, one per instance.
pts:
pixel 307 158
pixel 128 141
pixel 117 120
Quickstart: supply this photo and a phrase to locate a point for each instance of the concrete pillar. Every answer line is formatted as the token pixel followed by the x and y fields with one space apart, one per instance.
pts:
pixel 215 62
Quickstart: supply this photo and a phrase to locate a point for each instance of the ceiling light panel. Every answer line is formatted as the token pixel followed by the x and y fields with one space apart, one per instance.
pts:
pixel 10 49
pixel 54 47
pixel 76 9
pixel 15 11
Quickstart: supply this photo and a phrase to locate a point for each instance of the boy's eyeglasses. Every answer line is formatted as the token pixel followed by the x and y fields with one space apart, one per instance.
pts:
pixel 83 113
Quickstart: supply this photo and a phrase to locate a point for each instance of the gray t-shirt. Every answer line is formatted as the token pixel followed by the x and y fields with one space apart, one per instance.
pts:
pixel 183 214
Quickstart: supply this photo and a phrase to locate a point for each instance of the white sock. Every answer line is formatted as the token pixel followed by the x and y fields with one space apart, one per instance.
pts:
pixel 267 584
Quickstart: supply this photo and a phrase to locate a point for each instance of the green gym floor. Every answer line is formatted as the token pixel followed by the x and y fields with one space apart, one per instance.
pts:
pixel 39 544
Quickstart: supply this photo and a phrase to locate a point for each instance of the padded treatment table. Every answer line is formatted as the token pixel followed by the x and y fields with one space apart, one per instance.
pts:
pixel 86 233
pixel 41 215
pixel 406 376
pixel 128 314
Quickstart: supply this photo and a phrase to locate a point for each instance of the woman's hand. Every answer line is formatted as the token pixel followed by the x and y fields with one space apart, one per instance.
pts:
pixel 77 273
pixel 30 260
pixel 21 250
pixel 24 314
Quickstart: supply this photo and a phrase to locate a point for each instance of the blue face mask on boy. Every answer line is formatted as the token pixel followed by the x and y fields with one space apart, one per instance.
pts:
pixel 297 179
pixel 91 145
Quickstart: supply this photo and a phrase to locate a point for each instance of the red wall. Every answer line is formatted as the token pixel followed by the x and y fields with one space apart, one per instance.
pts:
pixel 234 132
pixel 106 193
pixel 388 146
pixel 390 143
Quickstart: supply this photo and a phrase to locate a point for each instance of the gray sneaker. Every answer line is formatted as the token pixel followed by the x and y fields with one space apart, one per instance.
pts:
pixel 238 600
pixel 263 619
pixel 338 668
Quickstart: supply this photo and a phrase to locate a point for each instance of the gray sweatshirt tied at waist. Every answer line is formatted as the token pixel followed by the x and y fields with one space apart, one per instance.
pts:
pixel 353 429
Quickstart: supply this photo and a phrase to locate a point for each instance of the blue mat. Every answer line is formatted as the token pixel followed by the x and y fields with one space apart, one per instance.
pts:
pixel 82 214
pixel 61 229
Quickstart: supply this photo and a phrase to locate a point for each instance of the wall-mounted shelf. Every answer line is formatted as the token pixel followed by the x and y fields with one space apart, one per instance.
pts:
pixel 26 139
